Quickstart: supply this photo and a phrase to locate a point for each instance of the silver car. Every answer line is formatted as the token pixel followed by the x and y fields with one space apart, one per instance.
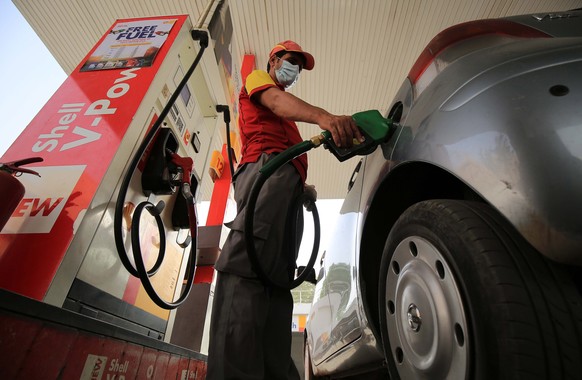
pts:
pixel 458 250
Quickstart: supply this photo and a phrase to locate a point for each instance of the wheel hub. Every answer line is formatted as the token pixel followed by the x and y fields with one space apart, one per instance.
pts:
pixel 414 319
pixel 427 328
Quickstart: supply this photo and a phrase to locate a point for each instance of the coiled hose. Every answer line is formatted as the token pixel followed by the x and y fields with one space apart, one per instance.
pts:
pixel 140 270
pixel 264 173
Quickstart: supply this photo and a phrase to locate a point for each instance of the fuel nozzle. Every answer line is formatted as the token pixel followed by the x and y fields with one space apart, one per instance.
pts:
pixel 225 110
pixel 375 128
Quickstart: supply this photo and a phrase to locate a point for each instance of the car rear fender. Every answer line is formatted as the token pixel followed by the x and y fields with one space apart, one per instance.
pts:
pixel 405 185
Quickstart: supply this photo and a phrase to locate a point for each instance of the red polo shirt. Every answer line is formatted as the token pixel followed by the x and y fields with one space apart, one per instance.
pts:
pixel 261 130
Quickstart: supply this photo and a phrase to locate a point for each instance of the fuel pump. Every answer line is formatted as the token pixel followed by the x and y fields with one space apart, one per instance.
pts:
pixel 165 173
pixel 124 144
pixel 374 127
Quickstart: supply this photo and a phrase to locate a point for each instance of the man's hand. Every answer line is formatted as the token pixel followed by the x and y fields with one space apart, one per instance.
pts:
pixel 310 190
pixel 343 130
pixel 311 194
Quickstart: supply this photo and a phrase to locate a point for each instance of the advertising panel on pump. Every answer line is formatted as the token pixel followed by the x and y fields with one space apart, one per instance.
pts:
pixel 130 44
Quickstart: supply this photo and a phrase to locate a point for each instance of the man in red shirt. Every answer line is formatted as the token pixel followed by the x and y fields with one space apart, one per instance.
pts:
pixel 250 332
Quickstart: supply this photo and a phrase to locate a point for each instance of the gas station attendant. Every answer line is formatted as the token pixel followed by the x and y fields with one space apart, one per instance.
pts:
pixel 250 331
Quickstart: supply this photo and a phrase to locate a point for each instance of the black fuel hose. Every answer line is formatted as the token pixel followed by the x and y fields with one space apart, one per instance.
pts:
pixel 140 271
pixel 143 274
pixel 309 202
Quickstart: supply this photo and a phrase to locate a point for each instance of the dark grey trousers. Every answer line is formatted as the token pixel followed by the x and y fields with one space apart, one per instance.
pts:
pixel 250 330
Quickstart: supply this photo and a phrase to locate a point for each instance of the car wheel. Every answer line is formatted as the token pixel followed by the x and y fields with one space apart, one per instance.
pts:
pixel 463 296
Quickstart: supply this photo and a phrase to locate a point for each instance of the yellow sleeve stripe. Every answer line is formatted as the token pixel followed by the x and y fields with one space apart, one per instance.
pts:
pixel 258 80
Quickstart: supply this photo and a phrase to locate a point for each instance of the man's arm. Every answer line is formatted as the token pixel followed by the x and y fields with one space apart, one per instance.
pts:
pixel 283 104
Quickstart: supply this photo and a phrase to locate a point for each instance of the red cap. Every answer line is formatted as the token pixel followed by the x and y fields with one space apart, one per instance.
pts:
pixel 294 47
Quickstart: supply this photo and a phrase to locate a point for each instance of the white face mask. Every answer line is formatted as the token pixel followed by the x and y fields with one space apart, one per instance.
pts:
pixel 287 74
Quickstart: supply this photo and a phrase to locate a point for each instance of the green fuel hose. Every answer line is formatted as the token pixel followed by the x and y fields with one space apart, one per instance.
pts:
pixel 264 173
pixel 287 155
pixel 374 128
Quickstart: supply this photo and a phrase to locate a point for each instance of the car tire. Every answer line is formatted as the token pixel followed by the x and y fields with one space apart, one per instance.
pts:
pixel 463 296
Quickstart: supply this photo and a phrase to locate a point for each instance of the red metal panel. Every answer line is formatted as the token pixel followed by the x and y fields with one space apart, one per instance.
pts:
pixel 161 365
pixel 204 274
pixel 176 366
pixel 112 351
pixel 30 349
pixel 93 356
pixel 48 354
pixel 147 364
pixel 197 369
pixel 84 345
pixel 16 337
pixel 131 359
